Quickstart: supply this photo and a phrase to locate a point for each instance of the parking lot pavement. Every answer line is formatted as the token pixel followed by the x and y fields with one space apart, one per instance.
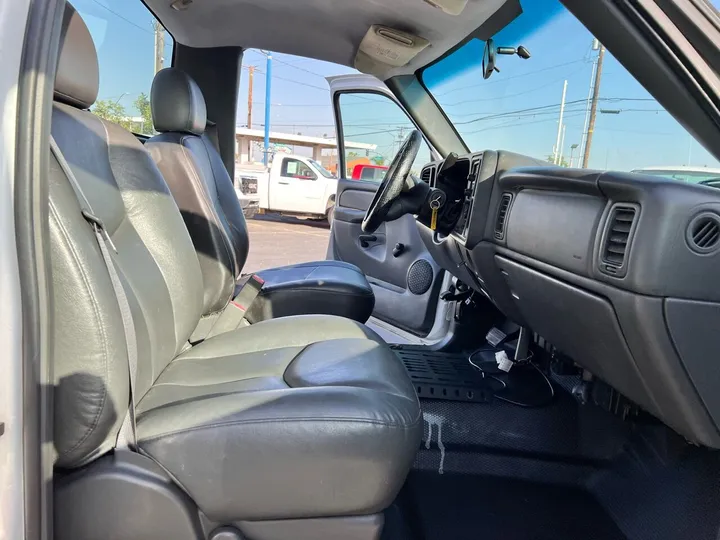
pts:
pixel 278 241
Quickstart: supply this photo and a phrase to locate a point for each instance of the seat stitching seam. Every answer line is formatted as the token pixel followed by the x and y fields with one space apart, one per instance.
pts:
pixel 294 358
pixel 249 351
pixel 291 289
pixel 103 335
pixel 286 420
pixel 215 383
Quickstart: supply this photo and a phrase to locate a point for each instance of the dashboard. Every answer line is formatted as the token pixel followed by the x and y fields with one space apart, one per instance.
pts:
pixel 618 270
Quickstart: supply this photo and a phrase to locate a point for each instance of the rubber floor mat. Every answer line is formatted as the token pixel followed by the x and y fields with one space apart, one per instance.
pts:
pixel 446 376
pixel 466 507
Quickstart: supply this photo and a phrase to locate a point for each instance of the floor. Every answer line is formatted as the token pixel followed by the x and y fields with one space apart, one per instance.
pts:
pixel 464 507
pixel 278 241
pixel 565 471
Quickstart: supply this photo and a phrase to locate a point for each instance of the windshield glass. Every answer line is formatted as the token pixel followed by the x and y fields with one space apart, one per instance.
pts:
pixel 691 177
pixel 519 108
pixel 322 170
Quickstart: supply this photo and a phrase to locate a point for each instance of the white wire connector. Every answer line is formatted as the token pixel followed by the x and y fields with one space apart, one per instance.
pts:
pixel 504 363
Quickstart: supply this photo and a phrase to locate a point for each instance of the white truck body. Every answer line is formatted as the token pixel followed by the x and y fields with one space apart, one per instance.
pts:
pixel 292 185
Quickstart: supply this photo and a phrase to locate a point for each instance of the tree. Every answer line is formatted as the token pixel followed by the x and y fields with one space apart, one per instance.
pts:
pixel 379 160
pixel 142 104
pixel 112 111
pixel 563 161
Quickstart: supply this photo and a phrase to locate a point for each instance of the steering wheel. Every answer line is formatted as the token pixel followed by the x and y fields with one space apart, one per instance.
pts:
pixel 393 183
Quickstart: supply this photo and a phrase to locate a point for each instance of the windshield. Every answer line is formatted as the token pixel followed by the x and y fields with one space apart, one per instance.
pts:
pixel 690 177
pixel 322 170
pixel 521 107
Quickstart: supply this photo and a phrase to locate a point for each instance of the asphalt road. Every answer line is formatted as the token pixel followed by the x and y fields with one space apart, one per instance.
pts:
pixel 278 241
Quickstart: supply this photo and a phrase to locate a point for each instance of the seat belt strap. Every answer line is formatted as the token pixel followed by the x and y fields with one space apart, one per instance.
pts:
pixel 127 436
pixel 249 292
pixel 234 313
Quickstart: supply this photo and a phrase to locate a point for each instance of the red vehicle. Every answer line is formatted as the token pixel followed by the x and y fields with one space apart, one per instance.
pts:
pixel 372 173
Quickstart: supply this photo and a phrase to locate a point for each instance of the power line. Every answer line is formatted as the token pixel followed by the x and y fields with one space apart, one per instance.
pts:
pixel 509 113
pixel 541 108
pixel 635 132
pixel 302 83
pixel 291 80
pixel 290 64
pixel 513 95
pixel 299 68
pixel 484 84
pixel 508 125
pixel 124 18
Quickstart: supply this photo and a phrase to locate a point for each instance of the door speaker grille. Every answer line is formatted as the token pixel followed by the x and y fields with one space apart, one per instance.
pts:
pixel 419 277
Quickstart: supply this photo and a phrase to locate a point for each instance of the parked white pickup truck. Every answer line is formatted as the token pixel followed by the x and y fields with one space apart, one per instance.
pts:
pixel 293 185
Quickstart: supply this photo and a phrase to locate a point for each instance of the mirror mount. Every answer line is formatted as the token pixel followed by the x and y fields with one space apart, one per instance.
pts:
pixel 490 56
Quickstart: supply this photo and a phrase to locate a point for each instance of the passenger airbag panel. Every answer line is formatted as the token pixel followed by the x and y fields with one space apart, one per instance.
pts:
pixel 555 227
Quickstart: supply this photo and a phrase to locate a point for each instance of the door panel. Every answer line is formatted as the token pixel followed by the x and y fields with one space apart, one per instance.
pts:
pixel 371 125
pixel 389 273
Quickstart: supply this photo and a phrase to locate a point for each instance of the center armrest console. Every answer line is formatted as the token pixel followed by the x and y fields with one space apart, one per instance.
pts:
pixel 321 287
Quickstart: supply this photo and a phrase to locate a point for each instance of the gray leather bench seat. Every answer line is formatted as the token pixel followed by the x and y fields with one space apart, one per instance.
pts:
pixel 293 418
pixel 204 192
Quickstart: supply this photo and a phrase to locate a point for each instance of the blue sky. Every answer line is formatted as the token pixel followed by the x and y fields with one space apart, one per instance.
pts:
pixel 642 134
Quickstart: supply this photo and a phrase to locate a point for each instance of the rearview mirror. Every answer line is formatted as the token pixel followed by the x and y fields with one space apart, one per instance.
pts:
pixel 490 56
pixel 488 60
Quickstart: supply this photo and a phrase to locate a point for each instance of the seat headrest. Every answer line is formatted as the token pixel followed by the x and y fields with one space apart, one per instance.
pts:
pixel 177 103
pixel 77 77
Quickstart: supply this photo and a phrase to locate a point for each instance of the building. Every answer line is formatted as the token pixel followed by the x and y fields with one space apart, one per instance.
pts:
pixel 245 138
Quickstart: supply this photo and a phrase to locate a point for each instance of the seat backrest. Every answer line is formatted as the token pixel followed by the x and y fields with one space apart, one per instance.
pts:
pixel 155 259
pixel 200 183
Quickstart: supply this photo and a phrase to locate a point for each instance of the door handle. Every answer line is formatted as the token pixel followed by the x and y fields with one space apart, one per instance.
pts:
pixel 284 183
pixel 365 239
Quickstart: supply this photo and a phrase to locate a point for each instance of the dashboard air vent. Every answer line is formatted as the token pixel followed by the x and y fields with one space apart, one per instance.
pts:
pixel 704 232
pixel 502 214
pixel 617 236
pixel 427 175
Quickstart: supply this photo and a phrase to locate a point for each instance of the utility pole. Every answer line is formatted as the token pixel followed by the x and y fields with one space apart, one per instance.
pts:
pixel 159 45
pixel 268 79
pixel 573 147
pixel 583 139
pixel 556 153
pixel 251 72
pixel 562 145
pixel 399 138
pixel 593 106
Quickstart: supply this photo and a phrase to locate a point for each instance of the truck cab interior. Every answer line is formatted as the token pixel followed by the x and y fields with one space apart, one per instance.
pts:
pixel 498 346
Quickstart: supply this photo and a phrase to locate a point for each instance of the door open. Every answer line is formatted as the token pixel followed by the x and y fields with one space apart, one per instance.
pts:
pixel 371 126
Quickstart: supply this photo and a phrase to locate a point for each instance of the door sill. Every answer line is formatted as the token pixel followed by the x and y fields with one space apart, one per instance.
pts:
pixel 397 336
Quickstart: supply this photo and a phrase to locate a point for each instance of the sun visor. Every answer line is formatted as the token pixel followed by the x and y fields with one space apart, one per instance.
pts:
pixel 384 47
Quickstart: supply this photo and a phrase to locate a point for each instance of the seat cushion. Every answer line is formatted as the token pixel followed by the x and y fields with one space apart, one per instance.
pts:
pixel 310 416
pixel 321 287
